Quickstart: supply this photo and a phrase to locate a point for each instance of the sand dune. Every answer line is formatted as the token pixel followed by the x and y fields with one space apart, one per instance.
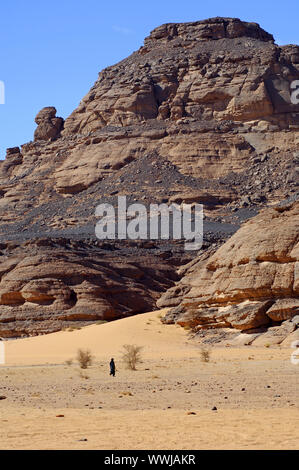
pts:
pixel 166 404
pixel 104 340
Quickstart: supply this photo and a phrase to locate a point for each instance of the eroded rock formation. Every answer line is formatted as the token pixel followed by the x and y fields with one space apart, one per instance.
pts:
pixel 251 281
pixel 48 125
pixel 47 285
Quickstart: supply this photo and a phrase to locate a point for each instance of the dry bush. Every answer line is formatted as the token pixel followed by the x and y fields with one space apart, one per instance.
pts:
pixel 128 394
pixel 74 328
pixel 131 355
pixel 187 327
pixel 69 362
pixel 84 357
pixel 205 355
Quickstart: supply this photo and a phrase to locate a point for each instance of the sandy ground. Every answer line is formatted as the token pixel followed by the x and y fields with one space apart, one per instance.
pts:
pixel 167 403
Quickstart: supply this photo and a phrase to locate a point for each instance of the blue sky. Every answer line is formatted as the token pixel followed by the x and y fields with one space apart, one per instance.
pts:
pixel 51 52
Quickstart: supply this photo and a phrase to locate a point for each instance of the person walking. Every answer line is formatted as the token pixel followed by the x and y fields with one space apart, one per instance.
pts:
pixel 112 367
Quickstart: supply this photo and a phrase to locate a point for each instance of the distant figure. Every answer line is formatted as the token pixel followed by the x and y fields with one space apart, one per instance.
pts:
pixel 112 367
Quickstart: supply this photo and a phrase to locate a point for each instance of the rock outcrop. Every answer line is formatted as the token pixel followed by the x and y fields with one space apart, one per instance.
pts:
pixel 251 281
pixel 208 96
pixel 50 284
pixel 49 126
pixel 200 113
pixel 212 69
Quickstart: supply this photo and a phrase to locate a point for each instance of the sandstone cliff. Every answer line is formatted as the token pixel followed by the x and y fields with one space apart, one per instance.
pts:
pixel 251 281
pixel 50 284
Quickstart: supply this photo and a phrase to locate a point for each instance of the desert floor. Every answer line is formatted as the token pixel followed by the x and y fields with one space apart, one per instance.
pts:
pixel 165 404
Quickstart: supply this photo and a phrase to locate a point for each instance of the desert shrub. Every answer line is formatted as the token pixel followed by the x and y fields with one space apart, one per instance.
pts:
pixel 69 362
pixel 84 357
pixel 131 355
pixel 187 327
pixel 74 328
pixel 205 355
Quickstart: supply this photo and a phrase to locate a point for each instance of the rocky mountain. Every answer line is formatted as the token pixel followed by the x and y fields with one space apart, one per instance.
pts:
pixel 202 112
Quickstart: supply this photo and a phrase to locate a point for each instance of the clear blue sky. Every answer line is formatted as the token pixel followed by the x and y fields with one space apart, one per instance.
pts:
pixel 51 52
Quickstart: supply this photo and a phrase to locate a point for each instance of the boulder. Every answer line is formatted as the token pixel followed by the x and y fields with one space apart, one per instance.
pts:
pixel 49 126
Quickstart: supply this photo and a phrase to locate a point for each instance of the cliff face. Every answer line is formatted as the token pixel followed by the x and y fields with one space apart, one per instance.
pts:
pixel 251 281
pixel 51 284
pixel 200 113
